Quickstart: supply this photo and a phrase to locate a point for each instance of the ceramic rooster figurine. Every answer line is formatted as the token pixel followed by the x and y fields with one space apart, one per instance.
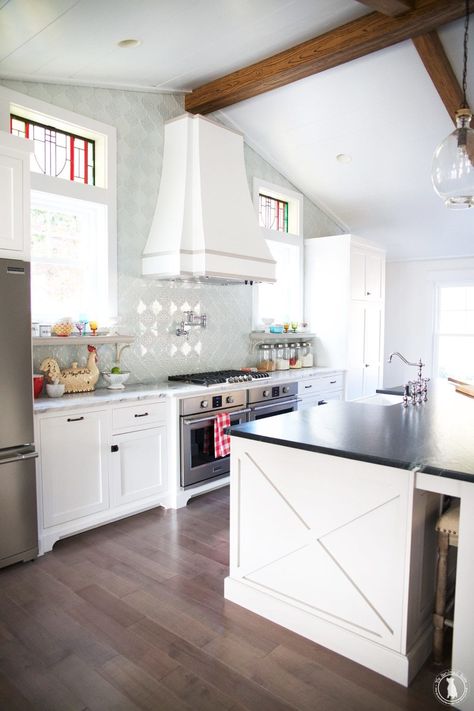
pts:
pixel 75 378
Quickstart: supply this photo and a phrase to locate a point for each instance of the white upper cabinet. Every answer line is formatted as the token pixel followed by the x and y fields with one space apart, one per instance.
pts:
pixel 344 305
pixel 14 197
pixel 366 275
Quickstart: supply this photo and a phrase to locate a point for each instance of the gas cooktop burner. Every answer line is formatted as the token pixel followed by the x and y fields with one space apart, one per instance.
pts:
pixel 218 377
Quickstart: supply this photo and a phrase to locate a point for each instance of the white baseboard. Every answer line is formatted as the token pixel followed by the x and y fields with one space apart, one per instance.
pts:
pixel 394 665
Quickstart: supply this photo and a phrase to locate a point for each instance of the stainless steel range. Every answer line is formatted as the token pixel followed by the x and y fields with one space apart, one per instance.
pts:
pixel 219 377
pixel 198 415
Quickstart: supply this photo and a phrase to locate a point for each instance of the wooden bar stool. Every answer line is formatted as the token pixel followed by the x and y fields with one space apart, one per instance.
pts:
pixel 447 527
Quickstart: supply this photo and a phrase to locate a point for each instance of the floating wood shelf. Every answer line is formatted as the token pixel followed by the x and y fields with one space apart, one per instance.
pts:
pixel 81 340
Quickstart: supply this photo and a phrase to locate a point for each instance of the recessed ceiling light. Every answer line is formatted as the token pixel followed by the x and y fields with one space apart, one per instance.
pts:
pixel 344 158
pixel 128 43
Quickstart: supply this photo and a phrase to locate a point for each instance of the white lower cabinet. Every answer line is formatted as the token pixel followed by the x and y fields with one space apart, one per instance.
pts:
pixel 74 466
pixel 138 465
pixel 319 390
pixel 90 471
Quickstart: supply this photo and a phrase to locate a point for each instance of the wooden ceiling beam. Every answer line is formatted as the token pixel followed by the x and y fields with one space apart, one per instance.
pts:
pixel 393 8
pixel 438 66
pixel 350 41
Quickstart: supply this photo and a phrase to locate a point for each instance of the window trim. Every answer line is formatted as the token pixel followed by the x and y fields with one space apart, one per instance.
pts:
pixel 449 281
pixel 105 189
pixel 295 235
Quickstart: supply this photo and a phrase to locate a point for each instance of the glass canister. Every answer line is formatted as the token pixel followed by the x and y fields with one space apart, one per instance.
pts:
pixel 295 355
pixel 266 358
pixel 282 356
pixel 306 353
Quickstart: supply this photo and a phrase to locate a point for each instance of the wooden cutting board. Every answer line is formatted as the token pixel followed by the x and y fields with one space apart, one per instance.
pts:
pixel 462 387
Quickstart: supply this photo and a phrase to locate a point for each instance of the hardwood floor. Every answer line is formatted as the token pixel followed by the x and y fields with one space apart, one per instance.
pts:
pixel 132 616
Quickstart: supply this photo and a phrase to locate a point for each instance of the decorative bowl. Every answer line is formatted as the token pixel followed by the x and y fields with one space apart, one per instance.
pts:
pixel 55 389
pixel 116 380
pixel 276 329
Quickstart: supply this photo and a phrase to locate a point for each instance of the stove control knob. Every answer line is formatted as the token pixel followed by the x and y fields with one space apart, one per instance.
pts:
pixel 266 393
pixel 286 389
pixel 229 399
pixel 204 403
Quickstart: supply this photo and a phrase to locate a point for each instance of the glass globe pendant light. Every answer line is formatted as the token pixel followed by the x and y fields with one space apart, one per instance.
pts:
pixel 452 171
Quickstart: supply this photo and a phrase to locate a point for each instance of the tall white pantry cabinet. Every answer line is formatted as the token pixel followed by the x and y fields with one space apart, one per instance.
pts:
pixel 344 305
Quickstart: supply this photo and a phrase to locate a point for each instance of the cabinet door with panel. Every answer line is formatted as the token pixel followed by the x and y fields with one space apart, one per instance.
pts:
pixel 14 197
pixel 138 465
pixel 366 275
pixel 364 349
pixel 74 452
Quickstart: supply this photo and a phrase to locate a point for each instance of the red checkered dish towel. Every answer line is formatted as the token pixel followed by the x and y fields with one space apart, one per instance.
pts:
pixel 221 440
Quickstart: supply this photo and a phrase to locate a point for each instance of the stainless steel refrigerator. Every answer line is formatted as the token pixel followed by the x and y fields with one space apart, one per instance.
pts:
pixel 18 520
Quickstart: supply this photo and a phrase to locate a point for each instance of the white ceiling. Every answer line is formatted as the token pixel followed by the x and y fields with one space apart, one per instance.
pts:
pixel 381 109
pixel 184 42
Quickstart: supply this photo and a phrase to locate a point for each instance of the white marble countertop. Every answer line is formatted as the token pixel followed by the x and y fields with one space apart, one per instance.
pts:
pixel 164 389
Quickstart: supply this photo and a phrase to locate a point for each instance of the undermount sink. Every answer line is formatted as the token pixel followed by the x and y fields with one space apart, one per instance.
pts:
pixel 381 399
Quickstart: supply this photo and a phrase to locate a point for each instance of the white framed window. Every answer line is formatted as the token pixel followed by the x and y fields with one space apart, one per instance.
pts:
pixel 74 210
pixel 281 210
pixel 454 332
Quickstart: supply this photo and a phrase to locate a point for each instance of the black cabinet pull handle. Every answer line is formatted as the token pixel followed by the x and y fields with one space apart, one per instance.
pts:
pixel 368 293
pixel 144 414
pixel 332 382
pixel 74 419
pixel 114 448
pixel 322 402
pixel 308 386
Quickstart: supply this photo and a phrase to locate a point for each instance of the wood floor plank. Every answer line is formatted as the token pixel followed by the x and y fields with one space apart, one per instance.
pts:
pixel 28 675
pixel 110 605
pixel 124 641
pixel 92 688
pixel 170 618
pixel 23 628
pixel 11 698
pixel 125 614
pixel 194 691
pixel 140 687
pixel 249 693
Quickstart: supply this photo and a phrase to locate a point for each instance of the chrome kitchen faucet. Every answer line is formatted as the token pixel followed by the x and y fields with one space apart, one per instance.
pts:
pixel 415 391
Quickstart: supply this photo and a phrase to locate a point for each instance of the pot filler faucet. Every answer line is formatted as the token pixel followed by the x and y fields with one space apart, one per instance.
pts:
pixel 415 391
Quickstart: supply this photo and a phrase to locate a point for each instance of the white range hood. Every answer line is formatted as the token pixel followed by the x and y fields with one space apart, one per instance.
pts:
pixel 205 227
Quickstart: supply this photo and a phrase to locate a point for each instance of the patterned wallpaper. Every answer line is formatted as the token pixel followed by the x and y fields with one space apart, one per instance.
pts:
pixel 149 309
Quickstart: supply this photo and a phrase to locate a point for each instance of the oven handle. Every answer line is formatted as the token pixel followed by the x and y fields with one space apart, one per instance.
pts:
pixel 274 404
pixel 206 419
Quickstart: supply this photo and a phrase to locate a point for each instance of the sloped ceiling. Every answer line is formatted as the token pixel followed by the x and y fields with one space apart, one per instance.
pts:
pixel 382 110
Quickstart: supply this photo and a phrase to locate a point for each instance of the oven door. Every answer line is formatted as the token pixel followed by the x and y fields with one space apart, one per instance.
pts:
pixel 198 462
pixel 259 412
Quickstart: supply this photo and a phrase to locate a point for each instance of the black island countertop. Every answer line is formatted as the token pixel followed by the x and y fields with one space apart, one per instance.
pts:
pixel 436 437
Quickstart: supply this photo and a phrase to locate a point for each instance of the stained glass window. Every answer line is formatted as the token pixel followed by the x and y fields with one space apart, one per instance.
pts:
pixel 57 153
pixel 273 213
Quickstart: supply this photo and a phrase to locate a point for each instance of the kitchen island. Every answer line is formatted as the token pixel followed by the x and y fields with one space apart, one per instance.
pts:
pixel 332 526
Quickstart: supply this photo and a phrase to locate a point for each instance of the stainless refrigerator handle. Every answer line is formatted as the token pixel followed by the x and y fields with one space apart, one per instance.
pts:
pixel 206 419
pixel 283 403
pixel 19 458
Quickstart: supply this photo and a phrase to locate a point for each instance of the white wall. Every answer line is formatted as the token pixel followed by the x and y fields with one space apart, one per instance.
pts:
pixel 410 305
